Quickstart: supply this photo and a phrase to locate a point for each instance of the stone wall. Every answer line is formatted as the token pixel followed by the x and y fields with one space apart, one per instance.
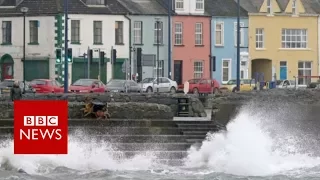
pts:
pixel 226 106
pixel 156 106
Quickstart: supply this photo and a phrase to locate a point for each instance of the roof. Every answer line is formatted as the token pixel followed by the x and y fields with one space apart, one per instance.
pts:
pixel 111 7
pixel 253 6
pixel 228 8
pixel 36 7
pixel 52 7
pixel 144 7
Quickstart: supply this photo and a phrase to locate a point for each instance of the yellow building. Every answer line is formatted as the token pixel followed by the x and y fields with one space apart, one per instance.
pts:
pixel 283 38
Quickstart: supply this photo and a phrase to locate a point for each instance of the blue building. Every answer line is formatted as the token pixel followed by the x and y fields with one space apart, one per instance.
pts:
pixel 224 39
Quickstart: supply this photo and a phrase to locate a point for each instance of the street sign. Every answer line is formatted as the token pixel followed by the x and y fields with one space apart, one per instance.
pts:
pixel 125 66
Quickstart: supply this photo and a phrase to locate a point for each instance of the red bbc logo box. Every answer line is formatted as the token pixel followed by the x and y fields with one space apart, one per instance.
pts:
pixel 40 127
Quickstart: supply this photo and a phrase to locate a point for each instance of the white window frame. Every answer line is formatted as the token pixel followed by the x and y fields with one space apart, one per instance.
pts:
pixel 160 28
pixel 199 33
pixel 155 68
pixel 260 38
pixel 198 68
pixel 221 33
pixel 199 4
pixel 269 7
pixel 290 38
pixel 179 4
pixel 178 33
pixel 229 69
pixel 294 7
pixel 305 80
pixel 241 34
pixel 137 32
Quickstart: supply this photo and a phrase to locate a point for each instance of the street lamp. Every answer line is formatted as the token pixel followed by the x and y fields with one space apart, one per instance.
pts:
pixel 158 45
pixel 24 11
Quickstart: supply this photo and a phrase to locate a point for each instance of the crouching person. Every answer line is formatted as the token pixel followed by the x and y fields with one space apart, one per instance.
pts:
pixel 15 92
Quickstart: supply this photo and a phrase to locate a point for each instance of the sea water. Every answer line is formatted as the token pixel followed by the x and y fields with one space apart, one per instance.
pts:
pixel 255 146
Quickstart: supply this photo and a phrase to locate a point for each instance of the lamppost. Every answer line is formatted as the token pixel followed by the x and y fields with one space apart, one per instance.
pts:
pixel 24 11
pixel 238 46
pixel 158 45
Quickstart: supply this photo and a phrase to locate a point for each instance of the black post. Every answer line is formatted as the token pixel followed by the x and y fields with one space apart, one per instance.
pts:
pixel 238 47
pixel 158 55
pixel 169 39
pixel 24 52
pixel 66 19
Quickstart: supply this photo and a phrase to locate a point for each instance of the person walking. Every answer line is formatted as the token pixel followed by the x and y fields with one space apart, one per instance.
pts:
pixel 15 92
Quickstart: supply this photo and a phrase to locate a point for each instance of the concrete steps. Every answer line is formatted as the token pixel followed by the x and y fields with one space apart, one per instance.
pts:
pixel 113 130
pixel 166 140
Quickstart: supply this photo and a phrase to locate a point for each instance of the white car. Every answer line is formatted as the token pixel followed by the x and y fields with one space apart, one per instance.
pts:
pixel 290 84
pixel 165 85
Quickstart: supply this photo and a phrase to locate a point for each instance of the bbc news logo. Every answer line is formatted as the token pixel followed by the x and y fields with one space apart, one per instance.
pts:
pixel 39 133
pixel 40 127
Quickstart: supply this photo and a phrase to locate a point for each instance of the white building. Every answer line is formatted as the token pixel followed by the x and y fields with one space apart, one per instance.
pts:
pixel 100 26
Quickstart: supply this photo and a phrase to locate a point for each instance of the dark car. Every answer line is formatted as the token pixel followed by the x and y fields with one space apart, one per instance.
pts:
pixel 7 84
pixel 119 85
pixel 313 85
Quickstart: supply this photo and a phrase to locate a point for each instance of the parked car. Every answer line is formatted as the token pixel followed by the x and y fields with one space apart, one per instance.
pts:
pixel 313 85
pixel 245 85
pixel 120 85
pixel 87 86
pixel 290 84
pixel 46 86
pixel 7 84
pixel 165 85
pixel 202 86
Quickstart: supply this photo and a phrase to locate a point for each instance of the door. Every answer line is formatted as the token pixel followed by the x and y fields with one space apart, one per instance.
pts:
pixel 164 85
pixel 177 71
pixel 134 87
pixel 7 71
pixel 204 86
pixel 283 70
pixel 37 69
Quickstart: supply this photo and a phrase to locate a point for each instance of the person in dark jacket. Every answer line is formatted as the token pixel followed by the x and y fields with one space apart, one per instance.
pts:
pixel 15 92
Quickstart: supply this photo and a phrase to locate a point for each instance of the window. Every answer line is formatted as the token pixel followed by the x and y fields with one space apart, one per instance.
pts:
pixel 198 69
pixel 242 74
pixel 219 34
pixel 259 38
pixel 294 38
pixel 178 33
pixel 119 32
pixel 75 31
pixel 199 4
pixel 294 7
pixel 269 6
pixel 198 34
pixel 33 25
pixel 6 32
pixel 97 33
pixel 304 69
pixel 137 32
pixel 161 69
pixel 226 71
pixel 95 2
pixel 241 34
pixel 158 28
pixel 179 4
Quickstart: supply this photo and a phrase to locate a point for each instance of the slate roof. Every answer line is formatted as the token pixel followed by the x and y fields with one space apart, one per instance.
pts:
pixel 52 7
pixel 112 7
pixel 144 7
pixel 253 6
pixel 227 8
pixel 36 7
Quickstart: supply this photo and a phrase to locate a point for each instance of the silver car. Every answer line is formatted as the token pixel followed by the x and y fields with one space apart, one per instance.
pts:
pixel 119 85
pixel 165 85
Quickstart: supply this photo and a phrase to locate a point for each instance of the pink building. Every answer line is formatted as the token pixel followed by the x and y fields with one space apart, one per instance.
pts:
pixel 190 41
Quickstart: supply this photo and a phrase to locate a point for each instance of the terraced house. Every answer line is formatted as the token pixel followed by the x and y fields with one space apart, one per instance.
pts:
pixel 40 38
pixel 224 39
pixel 283 38
pixel 148 31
